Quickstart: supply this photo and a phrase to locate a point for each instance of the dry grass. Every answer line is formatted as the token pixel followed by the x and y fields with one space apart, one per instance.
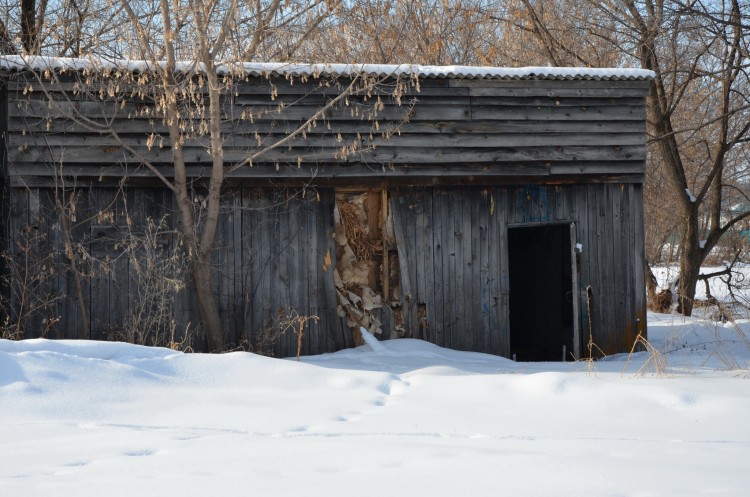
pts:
pixel 656 362
pixel 287 319
pixel 159 276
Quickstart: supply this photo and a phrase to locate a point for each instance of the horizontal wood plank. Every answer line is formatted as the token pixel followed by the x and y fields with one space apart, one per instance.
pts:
pixel 127 126
pixel 381 154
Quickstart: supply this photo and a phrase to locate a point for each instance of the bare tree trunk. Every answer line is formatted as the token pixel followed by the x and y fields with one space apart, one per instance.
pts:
pixel 28 24
pixel 691 258
pixel 199 251
pixel 201 271
pixel 32 19
pixel 6 44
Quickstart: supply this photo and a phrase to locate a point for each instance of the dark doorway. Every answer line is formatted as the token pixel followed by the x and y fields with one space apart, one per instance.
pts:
pixel 541 292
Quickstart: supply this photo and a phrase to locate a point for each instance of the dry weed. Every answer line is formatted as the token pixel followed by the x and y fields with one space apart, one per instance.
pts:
pixel 655 360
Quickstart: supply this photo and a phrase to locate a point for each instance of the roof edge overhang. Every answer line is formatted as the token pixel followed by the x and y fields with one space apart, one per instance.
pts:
pixel 17 63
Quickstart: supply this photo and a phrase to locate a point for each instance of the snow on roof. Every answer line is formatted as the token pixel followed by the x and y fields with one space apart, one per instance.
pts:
pixel 40 63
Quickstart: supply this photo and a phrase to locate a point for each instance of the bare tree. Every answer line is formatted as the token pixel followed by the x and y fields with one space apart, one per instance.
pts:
pixel 698 106
pixel 404 31
pixel 700 178
pixel 191 56
pixel 182 43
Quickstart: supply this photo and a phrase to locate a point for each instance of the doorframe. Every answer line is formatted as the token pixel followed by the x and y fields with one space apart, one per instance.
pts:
pixel 575 279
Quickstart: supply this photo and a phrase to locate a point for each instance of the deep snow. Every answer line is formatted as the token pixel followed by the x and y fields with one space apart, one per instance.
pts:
pixel 80 418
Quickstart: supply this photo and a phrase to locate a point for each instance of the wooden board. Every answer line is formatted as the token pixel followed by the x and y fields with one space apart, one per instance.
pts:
pixel 591 129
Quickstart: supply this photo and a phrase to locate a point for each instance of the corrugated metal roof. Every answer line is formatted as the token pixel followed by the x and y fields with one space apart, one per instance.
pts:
pixel 39 63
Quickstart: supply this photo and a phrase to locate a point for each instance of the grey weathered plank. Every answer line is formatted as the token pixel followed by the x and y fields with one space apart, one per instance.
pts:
pixel 311 263
pixel 438 303
pixel 619 274
pixel 432 314
pixel 237 304
pixel 132 128
pixel 293 268
pixel 419 234
pixel 489 140
pixel 219 274
pixel 498 328
pixel 100 281
pixel 481 217
pixel 597 168
pixel 462 236
pixel 579 214
pixel 342 337
pixel 600 290
pixel 511 113
pixel 409 209
pixel 383 155
pixel 557 101
pixel 251 264
pixel 255 227
pixel 451 296
pixel 476 327
pixel 608 285
pixel 630 253
pixel 559 92
pixel 549 83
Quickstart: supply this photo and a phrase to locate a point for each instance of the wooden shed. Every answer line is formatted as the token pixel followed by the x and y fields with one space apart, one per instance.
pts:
pixel 485 209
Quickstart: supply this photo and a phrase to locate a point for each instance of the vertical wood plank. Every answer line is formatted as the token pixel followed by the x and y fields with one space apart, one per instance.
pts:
pixel 584 259
pixel 599 289
pixel 495 327
pixel 311 262
pixel 620 276
pixel 253 229
pixel 505 217
pixel 238 291
pixel 437 333
pixel 429 266
pixel 475 279
pixel 453 308
pixel 401 219
pixel 334 327
pixel 297 280
pixel 277 283
pixel 462 237
pixel 419 255
pixel 609 285
pixel 481 217
pixel 220 273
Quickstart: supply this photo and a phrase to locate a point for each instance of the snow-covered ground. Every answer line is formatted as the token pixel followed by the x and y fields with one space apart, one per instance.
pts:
pixel 81 418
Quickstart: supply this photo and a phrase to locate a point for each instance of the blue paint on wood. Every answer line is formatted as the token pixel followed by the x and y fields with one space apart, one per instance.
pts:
pixel 533 202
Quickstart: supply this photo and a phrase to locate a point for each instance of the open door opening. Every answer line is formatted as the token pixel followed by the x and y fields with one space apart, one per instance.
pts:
pixel 542 277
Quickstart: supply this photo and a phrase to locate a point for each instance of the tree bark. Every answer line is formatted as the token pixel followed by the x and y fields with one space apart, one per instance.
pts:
pixel 201 271
pixel 6 44
pixel 199 252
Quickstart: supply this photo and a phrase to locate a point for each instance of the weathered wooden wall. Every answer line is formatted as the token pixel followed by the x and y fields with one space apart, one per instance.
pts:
pixel 455 243
pixel 465 160
pixel 272 243
pixel 269 255
pixel 451 131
